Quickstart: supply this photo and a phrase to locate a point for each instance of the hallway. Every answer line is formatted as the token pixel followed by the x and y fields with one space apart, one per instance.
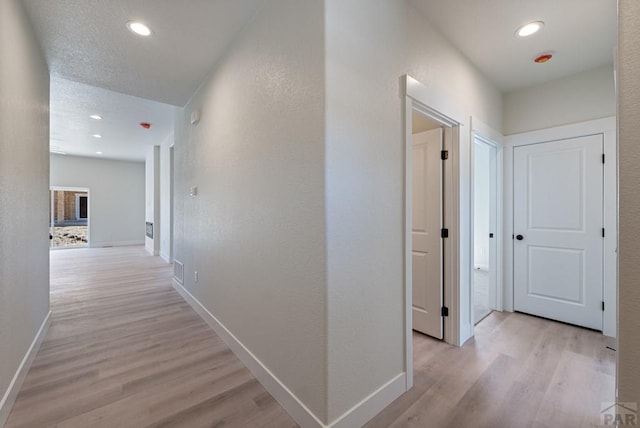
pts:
pixel 125 350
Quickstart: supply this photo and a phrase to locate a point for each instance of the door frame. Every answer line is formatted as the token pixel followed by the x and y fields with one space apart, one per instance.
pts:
pixel 458 326
pixel 487 135
pixel 607 128
pixel 492 203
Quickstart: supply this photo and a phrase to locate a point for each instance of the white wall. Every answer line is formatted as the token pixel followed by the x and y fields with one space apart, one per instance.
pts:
pixel 152 198
pixel 166 199
pixel 482 205
pixel 116 196
pixel 458 88
pixel 370 45
pixel 578 98
pixel 24 193
pixel 255 231
pixel 281 135
pixel 628 375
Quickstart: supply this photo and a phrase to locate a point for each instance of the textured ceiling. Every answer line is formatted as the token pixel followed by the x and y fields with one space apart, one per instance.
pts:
pixel 86 41
pixel 581 33
pixel 122 136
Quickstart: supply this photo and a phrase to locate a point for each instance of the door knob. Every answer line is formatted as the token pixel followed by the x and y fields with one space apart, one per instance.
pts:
pixel 519 237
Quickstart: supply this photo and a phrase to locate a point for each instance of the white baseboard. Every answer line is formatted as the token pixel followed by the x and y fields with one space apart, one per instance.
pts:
pixel 16 383
pixel 116 244
pixel 356 416
pixel 166 257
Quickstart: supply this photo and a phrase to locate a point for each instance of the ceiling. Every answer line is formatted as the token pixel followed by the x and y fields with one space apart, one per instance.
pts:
pixel 87 41
pixel 580 33
pixel 123 138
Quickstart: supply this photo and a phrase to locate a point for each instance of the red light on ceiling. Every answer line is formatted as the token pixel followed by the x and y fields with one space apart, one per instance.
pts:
pixel 145 125
pixel 543 58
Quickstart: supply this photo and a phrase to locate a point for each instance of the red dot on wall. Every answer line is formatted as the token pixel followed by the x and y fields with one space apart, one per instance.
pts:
pixel 145 125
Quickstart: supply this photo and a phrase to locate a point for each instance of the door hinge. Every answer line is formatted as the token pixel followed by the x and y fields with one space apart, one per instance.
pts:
pixel 444 154
pixel 603 232
pixel 603 158
pixel 444 311
pixel 603 305
pixel 444 233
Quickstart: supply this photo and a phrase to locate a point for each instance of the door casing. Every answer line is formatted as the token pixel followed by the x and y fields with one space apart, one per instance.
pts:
pixel 458 325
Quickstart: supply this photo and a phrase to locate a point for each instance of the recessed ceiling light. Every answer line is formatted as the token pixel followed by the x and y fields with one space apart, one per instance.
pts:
pixel 96 117
pixel 97 136
pixel 529 29
pixel 98 153
pixel 139 28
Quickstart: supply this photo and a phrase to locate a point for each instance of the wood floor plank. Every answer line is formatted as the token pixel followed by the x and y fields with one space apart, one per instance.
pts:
pixel 125 350
pixel 518 371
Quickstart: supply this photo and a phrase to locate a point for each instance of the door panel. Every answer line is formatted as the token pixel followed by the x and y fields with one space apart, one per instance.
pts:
pixel 558 213
pixel 561 279
pixel 427 222
pixel 564 190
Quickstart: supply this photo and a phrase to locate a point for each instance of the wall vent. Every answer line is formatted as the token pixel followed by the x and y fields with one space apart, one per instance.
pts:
pixel 178 271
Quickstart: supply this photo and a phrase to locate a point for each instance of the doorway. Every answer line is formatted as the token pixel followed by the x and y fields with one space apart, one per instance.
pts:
pixel 68 217
pixel 559 230
pixel 587 154
pixel 485 228
pixel 453 315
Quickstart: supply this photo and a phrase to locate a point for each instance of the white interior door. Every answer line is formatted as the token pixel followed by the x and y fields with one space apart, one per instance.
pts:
pixel 558 220
pixel 427 223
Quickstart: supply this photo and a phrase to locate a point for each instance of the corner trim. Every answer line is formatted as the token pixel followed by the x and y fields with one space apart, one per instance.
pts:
pixel 356 416
pixel 365 410
pixel 16 383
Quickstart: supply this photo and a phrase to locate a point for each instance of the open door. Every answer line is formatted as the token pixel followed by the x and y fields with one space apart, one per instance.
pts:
pixel 426 232
pixel 485 229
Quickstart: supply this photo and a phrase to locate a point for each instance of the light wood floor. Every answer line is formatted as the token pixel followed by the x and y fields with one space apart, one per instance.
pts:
pixel 518 371
pixel 124 350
